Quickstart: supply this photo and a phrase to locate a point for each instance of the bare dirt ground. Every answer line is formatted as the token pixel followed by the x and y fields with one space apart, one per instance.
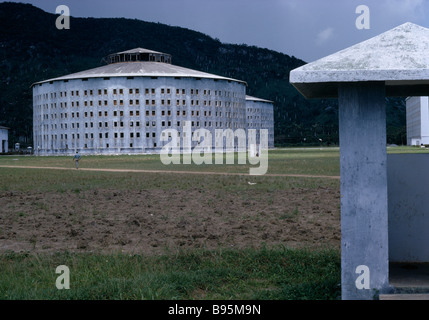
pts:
pixel 156 221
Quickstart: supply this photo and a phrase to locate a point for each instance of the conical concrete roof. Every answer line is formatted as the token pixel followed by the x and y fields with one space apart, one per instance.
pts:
pixel 399 57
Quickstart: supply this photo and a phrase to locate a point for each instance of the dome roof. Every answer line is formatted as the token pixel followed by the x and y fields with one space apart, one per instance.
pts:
pixel 139 68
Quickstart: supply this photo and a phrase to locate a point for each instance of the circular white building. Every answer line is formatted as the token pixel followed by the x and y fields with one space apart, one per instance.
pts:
pixel 126 105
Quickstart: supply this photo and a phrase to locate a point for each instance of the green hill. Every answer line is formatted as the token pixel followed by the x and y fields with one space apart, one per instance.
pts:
pixel 33 49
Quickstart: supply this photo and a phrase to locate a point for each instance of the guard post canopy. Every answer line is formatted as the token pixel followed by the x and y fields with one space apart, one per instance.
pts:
pixel 394 63
pixel 398 57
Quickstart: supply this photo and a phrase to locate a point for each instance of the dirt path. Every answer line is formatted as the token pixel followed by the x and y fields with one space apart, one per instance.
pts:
pixel 177 172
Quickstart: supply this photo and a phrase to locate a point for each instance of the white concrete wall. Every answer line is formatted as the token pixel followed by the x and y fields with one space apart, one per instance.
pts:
pixel 260 115
pixel 4 137
pixel 417 113
pixel 408 194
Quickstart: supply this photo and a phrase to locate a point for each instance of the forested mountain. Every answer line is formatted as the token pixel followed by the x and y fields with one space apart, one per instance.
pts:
pixel 33 49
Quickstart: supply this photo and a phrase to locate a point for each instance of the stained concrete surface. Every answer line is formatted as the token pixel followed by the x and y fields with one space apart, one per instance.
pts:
pixel 410 281
pixel 409 275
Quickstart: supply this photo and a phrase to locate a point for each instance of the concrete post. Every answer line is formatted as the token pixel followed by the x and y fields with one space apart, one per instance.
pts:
pixel 364 210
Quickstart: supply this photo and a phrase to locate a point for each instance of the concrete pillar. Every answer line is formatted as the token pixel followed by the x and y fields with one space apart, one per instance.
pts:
pixel 364 211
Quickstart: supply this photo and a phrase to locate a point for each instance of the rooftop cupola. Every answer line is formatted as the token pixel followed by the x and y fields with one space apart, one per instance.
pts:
pixel 138 55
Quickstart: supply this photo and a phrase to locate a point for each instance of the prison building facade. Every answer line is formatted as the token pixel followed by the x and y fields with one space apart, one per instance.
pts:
pixel 127 105
pixel 417 115
pixel 260 115
pixel 4 139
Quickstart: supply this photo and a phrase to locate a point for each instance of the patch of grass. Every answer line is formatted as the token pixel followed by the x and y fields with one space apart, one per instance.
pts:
pixel 290 215
pixel 275 273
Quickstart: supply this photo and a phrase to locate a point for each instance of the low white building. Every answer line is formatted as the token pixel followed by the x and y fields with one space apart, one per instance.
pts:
pixel 4 140
pixel 417 120
pixel 260 115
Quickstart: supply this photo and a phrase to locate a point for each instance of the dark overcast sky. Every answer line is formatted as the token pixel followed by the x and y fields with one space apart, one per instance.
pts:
pixel 307 29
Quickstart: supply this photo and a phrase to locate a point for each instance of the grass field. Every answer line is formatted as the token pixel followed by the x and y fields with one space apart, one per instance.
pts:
pixel 265 237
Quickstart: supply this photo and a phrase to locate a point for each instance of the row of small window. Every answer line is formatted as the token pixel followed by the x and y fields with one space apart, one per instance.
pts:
pixel 137 124
pixel 136 91
pixel 100 135
pixel 260 110
pixel 116 135
pixel 260 125
pixel 260 118
pixel 132 113
pixel 131 102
